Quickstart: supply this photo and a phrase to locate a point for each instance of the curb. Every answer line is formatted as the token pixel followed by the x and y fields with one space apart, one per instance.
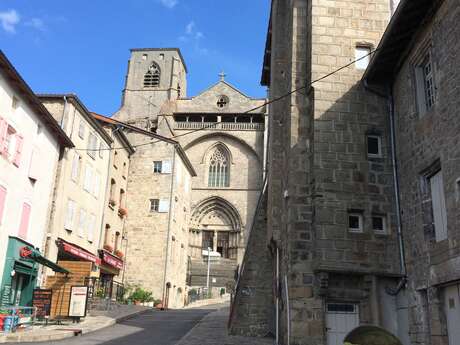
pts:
pixel 60 335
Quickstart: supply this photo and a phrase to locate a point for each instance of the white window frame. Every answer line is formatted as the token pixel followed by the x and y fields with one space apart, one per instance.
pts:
pixel 92 145
pixel 82 222
pixel 157 167
pixel 75 167
pixel 362 50
pixel 379 138
pixel 69 216
pixel 361 221
pixel 384 231
pixel 91 224
pixel 88 182
pixel 422 95
pixel 163 206
pixel 157 206
pixel 166 167
pixel 81 129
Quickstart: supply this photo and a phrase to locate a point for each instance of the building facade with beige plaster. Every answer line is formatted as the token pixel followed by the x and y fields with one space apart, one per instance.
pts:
pixel 81 183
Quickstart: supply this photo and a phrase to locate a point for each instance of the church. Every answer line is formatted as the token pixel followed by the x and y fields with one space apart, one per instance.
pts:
pixel 195 179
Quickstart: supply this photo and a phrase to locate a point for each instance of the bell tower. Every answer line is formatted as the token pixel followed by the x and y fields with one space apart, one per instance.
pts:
pixel 155 76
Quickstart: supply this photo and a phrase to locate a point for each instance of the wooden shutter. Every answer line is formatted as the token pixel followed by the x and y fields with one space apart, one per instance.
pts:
pixel 97 182
pixel 2 201
pixel 68 224
pixel 75 167
pixel 91 227
pixel 439 206
pixel 82 223
pixel 166 167
pixel 163 206
pixel 25 217
pixel 88 179
pixel 34 167
pixel 3 134
pixel 18 150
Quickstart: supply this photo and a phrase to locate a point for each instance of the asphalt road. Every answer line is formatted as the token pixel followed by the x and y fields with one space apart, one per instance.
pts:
pixel 152 328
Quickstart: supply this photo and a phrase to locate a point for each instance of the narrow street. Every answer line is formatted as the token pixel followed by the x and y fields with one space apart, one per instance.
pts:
pixel 152 328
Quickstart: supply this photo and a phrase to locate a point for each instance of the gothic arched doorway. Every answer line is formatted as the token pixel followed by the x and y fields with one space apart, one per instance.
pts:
pixel 215 224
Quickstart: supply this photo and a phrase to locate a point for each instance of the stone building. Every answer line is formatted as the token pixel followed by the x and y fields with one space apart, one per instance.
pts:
pixel 224 141
pixel 111 245
pixel 80 188
pixel 330 221
pixel 416 72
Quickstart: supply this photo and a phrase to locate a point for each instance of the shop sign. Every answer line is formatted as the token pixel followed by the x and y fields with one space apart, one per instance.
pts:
pixel 78 301
pixel 25 252
pixel 110 260
pixel 41 299
pixel 81 253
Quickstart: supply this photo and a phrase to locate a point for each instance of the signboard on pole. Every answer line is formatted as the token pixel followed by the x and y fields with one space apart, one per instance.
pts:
pixel 78 301
pixel 41 299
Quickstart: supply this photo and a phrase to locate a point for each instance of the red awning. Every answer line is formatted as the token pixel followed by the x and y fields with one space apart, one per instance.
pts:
pixel 111 260
pixel 79 252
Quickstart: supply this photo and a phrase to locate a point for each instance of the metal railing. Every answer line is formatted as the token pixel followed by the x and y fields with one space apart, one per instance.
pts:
pixel 241 126
pixel 98 288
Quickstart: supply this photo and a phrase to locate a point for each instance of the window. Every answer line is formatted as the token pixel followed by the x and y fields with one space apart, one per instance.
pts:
pixel 88 179
pixel 218 169
pixel 81 130
pixel 2 202
pixel 374 146
pixel 115 159
pixel 157 167
pixel 113 186
pixel 14 103
pixel 355 222
pixel 425 86
pixel 363 57
pixel 152 77
pixel 25 217
pixel 122 198
pixel 439 206
pixel 154 205
pixel 75 167
pixel 379 224
pixel 163 206
pixel 91 227
pixel 92 145
pixel 222 102
pixel 82 223
pixel 101 149
pixel 97 184
pixel 70 212
pixel 125 170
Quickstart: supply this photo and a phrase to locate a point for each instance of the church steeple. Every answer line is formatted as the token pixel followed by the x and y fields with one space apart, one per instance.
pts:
pixel 155 76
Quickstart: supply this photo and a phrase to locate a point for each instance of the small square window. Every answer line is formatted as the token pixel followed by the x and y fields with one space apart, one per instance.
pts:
pixel 157 166
pixel 154 205
pixel 379 224
pixel 374 146
pixel 362 55
pixel 355 222
pixel 14 103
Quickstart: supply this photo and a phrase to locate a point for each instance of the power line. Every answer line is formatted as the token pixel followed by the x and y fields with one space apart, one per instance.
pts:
pixel 276 99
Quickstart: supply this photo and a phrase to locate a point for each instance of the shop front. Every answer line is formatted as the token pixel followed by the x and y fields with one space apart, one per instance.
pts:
pixel 20 272
pixel 110 268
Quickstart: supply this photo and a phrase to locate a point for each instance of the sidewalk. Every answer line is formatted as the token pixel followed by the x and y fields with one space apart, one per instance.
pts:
pixel 212 330
pixel 90 324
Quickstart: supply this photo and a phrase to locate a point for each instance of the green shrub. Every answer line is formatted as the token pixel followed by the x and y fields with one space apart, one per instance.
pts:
pixel 141 295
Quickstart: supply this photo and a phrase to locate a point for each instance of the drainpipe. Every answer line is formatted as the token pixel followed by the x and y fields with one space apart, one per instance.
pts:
pixel 277 277
pixel 402 257
pixel 168 239
pixel 288 311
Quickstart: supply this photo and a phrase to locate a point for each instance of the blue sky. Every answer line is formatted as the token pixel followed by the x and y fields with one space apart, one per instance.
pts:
pixel 83 46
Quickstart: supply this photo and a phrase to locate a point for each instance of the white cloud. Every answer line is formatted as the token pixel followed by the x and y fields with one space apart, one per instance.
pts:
pixel 190 28
pixel 9 19
pixel 36 23
pixel 169 3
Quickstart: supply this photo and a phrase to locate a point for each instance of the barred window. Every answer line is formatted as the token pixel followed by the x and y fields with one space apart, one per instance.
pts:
pixel 152 77
pixel 219 169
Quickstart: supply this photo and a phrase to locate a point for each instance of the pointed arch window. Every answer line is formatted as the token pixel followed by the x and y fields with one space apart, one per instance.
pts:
pixel 152 77
pixel 219 169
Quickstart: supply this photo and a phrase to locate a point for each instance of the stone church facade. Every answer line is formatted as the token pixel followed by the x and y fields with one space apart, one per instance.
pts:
pixel 224 142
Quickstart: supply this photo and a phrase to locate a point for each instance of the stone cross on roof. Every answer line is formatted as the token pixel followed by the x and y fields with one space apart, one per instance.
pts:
pixel 222 76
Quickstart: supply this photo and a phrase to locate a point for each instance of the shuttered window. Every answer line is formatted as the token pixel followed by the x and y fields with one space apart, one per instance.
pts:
pixel 439 206
pixel 82 223
pixel 18 150
pixel 69 217
pixel 164 206
pixel 25 217
pixel 166 167
pixel 88 179
pixel 75 167
pixel 91 227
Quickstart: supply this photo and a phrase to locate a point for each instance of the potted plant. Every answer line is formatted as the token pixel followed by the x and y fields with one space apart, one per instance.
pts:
pixel 108 248
pixel 118 253
pixel 122 211
pixel 140 295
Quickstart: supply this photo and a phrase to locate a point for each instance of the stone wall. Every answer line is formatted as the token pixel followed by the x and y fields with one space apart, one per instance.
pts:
pixel 425 141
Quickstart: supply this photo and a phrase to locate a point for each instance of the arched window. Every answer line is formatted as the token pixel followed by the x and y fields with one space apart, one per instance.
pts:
pixel 219 169
pixel 152 77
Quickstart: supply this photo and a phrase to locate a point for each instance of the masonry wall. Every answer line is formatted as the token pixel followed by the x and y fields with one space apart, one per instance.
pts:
pixel 424 141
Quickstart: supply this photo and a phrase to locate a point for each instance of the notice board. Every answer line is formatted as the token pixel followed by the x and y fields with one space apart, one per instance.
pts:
pixel 41 299
pixel 78 301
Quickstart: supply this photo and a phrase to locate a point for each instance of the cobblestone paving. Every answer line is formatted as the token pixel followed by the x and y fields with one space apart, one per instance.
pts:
pixel 212 330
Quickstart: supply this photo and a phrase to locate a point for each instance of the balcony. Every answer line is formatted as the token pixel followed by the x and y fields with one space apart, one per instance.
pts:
pixel 233 126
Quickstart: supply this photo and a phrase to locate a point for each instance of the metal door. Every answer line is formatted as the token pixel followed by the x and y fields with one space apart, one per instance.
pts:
pixel 341 318
pixel 452 307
